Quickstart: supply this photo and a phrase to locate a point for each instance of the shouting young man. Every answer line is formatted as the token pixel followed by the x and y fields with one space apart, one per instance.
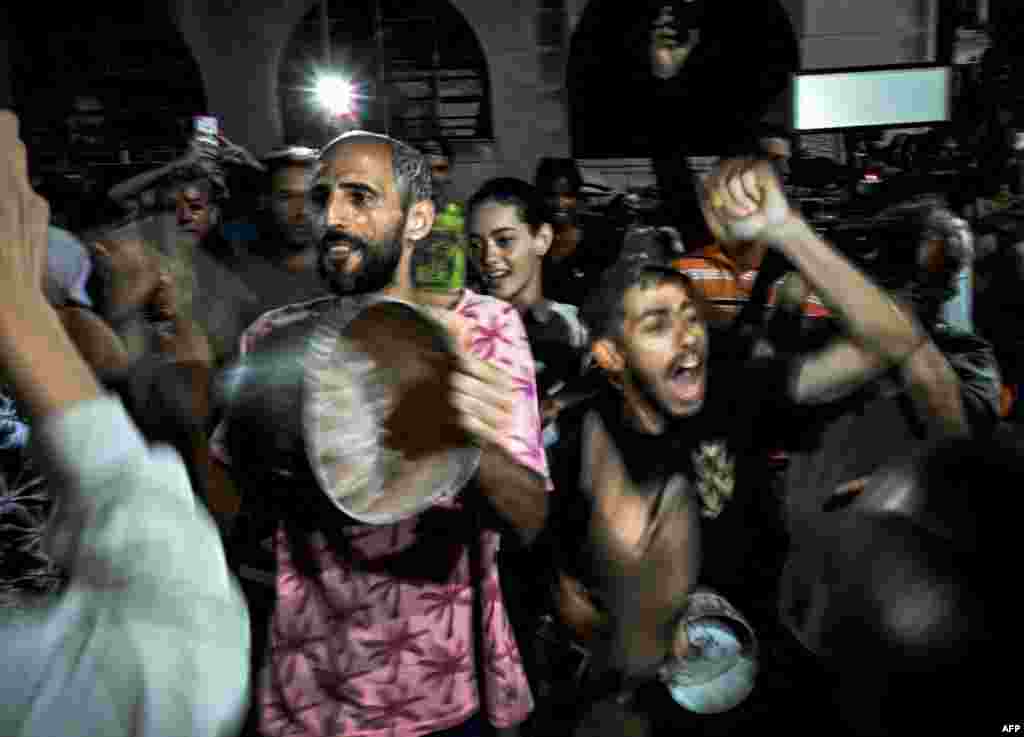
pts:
pixel 659 476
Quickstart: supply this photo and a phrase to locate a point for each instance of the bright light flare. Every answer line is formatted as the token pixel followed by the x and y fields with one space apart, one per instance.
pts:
pixel 336 95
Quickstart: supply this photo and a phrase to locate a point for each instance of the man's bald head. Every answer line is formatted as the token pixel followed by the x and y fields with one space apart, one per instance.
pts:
pixel 409 167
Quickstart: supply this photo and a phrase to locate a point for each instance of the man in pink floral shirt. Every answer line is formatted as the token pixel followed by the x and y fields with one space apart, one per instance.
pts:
pixel 361 644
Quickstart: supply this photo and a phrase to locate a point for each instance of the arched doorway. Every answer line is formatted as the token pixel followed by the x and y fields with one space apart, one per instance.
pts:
pixel 100 97
pixel 608 80
pixel 417 65
pixel 738 68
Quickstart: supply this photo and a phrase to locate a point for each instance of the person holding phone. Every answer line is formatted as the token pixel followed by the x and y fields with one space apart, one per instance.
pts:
pixel 693 46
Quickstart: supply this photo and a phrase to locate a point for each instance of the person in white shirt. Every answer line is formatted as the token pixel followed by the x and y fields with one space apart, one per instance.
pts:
pixel 151 635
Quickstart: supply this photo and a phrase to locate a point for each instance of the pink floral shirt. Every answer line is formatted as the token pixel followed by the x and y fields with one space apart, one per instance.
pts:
pixel 365 654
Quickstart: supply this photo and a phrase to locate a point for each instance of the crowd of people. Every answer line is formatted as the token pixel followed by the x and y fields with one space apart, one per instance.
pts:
pixel 721 482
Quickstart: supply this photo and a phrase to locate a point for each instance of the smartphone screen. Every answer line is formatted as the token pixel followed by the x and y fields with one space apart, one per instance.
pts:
pixel 206 128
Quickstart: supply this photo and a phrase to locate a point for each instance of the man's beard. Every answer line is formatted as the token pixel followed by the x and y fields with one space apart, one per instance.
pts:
pixel 646 389
pixel 380 259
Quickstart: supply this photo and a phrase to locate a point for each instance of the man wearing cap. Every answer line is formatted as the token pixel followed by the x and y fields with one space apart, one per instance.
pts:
pixel 373 628
pixel 658 475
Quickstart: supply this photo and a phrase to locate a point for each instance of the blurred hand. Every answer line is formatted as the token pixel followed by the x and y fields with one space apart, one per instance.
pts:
pixel 550 408
pixel 134 276
pixel 198 154
pixel 24 218
pixel 743 200
pixel 484 395
pixel 163 303
pixel 177 337
pixel 186 343
pixel 668 52
pixel 235 154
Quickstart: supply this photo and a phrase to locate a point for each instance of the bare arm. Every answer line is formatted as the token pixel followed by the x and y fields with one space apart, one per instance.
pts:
pixel 882 334
pixel 835 372
pixel 648 542
pixel 934 389
pixel 146 180
pixel 744 201
pixel 46 371
pixel 869 316
pixel 516 493
pixel 101 347
pixel 485 397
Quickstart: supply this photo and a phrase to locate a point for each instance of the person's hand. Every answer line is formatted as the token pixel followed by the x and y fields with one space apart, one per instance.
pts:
pixel 198 155
pixel 484 395
pixel 235 154
pixel 24 219
pixel 163 302
pixel 182 341
pixel 178 337
pixel 550 408
pixel 668 52
pixel 134 276
pixel 743 200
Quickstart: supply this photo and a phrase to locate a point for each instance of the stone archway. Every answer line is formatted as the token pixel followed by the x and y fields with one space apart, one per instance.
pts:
pixel 739 68
pixel 100 96
pixel 607 79
pixel 418 66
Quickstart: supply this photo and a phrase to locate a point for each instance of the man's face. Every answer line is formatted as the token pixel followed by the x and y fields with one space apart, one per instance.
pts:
pixel 665 345
pixel 440 174
pixel 562 201
pixel 360 226
pixel 507 251
pixel 289 190
pixel 193 211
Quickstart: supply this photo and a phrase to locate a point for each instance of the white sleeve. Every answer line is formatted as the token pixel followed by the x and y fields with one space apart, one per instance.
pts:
pixel 151 635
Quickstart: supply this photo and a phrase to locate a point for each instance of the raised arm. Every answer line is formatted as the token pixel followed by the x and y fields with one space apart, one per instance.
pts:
pixel 46 371
pixel 504 420
pixel 130 188
pixel 743 200
pixel 151 631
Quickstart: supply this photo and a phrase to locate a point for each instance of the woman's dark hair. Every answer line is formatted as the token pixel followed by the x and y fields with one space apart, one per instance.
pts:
pixel 550 170
pixel 516 193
